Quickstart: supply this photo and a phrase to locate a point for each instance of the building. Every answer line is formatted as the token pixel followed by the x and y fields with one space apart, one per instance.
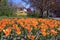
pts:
pixel 21 10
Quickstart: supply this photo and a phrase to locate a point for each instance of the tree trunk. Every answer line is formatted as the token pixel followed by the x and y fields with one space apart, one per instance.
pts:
pixel 47 13
pixel 41 13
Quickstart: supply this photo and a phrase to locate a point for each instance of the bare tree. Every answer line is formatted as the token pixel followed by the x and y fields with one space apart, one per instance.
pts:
pixel 40 5
pixel 43 5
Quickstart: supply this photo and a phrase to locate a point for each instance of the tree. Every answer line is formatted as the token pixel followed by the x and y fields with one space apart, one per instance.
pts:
pixel 39 5
pixel 43 5
pixel 56 7
pixel 5 10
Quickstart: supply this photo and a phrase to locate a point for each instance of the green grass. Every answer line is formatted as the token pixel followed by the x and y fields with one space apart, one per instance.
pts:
pixel 17 17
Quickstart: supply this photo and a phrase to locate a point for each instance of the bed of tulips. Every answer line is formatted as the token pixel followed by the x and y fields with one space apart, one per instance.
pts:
pixel 28 28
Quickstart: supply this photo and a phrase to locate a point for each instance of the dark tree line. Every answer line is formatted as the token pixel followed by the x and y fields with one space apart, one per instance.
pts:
pixel 45 5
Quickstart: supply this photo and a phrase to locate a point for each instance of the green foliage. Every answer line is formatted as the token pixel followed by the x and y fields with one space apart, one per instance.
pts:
pixel 33 14
pixel 4 9
pixel 5 12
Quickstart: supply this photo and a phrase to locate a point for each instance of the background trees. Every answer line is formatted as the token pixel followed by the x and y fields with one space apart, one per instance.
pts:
pixel 5 10
pixel 44 5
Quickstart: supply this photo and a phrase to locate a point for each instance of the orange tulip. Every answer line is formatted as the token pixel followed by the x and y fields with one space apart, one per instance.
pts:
pixel 15 26
pixel 32 37
pixel 0 30
pixel 29 29
pixel 48 33
pixel 7 31
pixel 42 30
pixel 27 23
pixel 29 36
pixel 53 32
pixel 44 33
pixel 58 28
pixel 18 31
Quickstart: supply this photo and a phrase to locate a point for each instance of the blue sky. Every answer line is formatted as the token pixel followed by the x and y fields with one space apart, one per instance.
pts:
pixel 20 1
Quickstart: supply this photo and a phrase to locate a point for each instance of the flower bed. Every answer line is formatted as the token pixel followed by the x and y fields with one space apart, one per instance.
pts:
pixel 29 28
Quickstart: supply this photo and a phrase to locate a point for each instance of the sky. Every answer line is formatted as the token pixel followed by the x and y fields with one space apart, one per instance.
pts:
pixel 20 1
